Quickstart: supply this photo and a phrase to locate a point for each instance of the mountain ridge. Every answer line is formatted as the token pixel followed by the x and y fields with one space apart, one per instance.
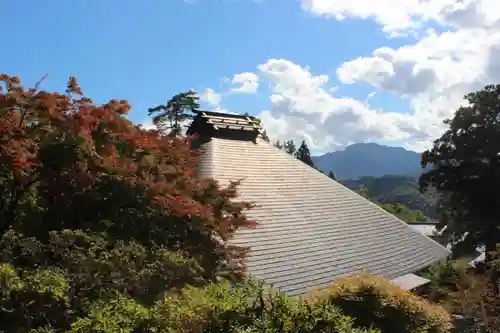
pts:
pixel 369 160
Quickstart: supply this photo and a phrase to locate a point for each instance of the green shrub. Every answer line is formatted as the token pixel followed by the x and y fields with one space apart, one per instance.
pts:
pixel 32 298
pixel 246 308
pixel 446 277
pixel 121 314
pixel 376 302
pixel 215 308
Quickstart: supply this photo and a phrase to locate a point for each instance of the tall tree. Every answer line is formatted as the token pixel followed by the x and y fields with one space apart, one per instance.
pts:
pixel 304 155
pixel 278 144
pixel 170 117
pixel 331 175
pixel 289 147
pixel 465 163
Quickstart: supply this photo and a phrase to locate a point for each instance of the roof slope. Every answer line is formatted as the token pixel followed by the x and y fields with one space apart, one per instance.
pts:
pixel 312 229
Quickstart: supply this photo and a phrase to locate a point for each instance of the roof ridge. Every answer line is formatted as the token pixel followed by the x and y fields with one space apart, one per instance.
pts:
pixel 218 124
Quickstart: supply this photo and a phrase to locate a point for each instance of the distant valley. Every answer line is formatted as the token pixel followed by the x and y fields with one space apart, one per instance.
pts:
pixel 390 174
pixel 369 159
pixel 396 189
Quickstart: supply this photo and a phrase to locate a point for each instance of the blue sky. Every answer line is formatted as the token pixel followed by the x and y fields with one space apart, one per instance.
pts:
pixel 147 51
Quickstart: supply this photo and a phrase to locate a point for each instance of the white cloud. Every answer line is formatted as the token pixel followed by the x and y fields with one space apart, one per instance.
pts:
pixel 222 110
pixel 303 106
pixel 403 16
pixel 436 63
pixel 245 82
pixel 434 72
pixel 148 124
pixel 211 97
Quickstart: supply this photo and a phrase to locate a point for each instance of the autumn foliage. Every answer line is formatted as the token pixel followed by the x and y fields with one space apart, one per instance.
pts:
pixel 93 206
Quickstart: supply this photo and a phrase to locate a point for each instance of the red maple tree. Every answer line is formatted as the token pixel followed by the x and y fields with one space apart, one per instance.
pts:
pixel 68 163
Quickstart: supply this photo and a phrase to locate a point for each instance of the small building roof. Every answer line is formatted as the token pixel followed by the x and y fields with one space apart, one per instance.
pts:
pixel 410 281
pixel 312 230
pixel 425 228
pixel 225 125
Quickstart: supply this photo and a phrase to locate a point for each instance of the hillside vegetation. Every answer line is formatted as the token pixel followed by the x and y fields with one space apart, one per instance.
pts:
pixel 396 189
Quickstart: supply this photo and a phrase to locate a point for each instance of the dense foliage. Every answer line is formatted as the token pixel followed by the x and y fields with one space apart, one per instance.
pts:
pixel 465 171
pixel 247 308
pixel 398 191
pixel 96 210
pixel 304 155
pixel 213 308
pixel 376 302
pixel 465 291
pixel 446 278
pixel 404 213
pixel 399 210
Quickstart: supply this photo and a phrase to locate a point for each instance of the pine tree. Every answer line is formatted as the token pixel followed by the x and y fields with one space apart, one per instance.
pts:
pixel 331 175
pixel 289 147
pixel 265 137
pixel 304 155
pixel 178 109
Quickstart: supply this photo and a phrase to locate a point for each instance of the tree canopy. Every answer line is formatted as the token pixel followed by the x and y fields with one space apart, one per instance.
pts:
pixel 170 117
pixel 465 163
pixel 304 155
pixel 289 147
pixel 95 210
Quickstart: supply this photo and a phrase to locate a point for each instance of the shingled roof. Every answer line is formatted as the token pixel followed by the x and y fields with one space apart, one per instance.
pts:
pixel 312 229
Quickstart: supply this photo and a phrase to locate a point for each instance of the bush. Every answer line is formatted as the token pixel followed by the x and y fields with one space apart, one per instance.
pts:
pixel 120 314
pixel 466 293
pixel 216 308
pixel 446 277
pixel 247 308
pixel 376 302
pixel 33 298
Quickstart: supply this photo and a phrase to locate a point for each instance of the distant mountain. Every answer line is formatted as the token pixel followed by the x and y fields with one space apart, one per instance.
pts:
pixel 369 159
pixel 396 189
